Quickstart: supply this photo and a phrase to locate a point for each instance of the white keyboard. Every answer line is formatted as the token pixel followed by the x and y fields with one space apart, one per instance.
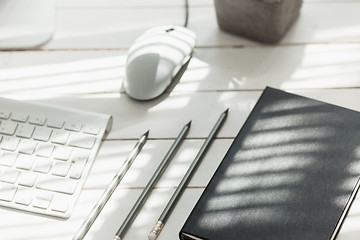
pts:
pixel 46 153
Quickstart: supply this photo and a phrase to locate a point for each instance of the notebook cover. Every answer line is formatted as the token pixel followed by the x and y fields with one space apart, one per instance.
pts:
pixel 290 174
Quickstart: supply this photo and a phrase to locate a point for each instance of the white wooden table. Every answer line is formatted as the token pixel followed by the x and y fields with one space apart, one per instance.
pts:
pixel 83 67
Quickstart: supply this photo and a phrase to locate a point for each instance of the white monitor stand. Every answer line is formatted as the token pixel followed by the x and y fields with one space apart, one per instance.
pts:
pixel 26 23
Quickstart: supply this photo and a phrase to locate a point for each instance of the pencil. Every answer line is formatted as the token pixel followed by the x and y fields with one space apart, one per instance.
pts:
pixel 111 188
pixel 180 189
pixel 154 179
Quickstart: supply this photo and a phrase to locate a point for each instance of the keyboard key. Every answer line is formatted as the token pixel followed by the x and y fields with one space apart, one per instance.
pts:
pixel 10 175
pixel 78 160
pixel 60 204
pixel 80 155
pixel 62 153
pixel 7 158
pixel 8 128
pixel 27 178
pixel 56 184
pixel 23 196
pixel 24 161
pixel 4 114
pixel 76 169
pixel 7 191
pixel 42 134
pixel 40 203
pixel 60 169
pixel 55 123
pixel 60 137
pixel 71 126
pixel 47 196
pixel 9 143
pixel 42 199
pixel 27 146
pixel 37 120
pixel 25 131
pixel 44 149
pixel 42 164
pixel 82 140
pixel 91 130
pixel 19 117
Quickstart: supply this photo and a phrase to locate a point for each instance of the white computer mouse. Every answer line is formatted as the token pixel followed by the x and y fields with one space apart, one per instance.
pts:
pixel 155 58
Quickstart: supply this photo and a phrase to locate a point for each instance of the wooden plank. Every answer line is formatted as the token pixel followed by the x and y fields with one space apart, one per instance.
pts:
pixel 118 27
pixel 318 66
pixel 289 67
pixel 4 59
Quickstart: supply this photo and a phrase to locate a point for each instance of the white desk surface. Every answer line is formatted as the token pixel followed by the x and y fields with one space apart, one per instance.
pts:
pixel 83 67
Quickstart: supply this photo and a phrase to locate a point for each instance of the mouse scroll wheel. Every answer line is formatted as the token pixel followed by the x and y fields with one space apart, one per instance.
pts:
pixel 169 30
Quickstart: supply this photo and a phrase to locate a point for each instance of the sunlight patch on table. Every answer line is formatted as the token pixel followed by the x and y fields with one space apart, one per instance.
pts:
pixel 92 75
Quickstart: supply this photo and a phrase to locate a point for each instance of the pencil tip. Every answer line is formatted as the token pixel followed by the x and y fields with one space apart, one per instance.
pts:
pixel 147 133
pixel 189 123
pixel 226 111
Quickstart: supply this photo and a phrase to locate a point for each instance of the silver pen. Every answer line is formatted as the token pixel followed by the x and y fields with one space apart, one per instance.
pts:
pixel 110 189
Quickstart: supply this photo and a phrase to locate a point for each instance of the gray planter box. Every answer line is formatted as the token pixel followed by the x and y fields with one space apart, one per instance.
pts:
pixel 262 20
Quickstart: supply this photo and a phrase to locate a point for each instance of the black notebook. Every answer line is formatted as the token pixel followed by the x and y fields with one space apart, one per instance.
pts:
pixel 290 174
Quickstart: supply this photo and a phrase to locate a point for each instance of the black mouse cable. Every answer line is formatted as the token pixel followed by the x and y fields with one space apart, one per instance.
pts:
pixel 186 13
